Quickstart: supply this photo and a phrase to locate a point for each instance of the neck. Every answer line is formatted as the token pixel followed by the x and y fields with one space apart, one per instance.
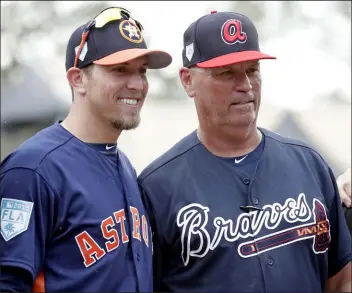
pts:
pixel 84 125
pixel 234 143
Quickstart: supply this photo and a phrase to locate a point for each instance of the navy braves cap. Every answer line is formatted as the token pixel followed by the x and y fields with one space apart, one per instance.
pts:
pixel 118 40
pixel 220 39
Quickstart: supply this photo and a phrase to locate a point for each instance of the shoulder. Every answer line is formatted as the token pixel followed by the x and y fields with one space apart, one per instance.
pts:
pixel 292 147
pixel 284 140
pixel 175 155
pixel 302 161
pixel 37 149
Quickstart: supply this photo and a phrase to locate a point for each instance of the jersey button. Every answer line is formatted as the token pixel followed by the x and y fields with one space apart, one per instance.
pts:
pixel 255 201
pixel 138 257
pixel 270 261
pixel 246 181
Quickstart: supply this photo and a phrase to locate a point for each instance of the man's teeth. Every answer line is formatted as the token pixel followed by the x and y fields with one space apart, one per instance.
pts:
pixel 129 101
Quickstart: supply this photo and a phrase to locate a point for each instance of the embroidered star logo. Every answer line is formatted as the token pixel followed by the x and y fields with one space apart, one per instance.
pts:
pixel 132 30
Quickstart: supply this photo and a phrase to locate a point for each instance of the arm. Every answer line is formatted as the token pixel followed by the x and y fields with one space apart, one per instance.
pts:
pixel 15 279
pixel 340 253
pixel 341 282
pixel 344 185
pixel 26 220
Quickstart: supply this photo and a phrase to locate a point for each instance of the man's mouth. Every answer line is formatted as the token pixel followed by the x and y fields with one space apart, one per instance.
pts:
pixel 242 102
pixel 132 102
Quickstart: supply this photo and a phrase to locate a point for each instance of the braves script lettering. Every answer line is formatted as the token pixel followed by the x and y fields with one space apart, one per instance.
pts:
pixel 193 219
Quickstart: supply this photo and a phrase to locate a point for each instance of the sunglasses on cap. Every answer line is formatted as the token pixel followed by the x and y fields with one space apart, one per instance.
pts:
pixel 104 17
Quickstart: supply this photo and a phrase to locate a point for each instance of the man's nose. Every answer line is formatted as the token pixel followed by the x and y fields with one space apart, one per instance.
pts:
pixel 135 82
pixel 242 82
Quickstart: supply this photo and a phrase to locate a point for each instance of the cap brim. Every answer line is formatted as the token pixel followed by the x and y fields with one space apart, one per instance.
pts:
pixel 233 58
pixel 156 59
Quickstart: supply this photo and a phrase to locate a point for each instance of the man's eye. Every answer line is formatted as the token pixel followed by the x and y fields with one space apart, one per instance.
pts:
pixel 120 69
pixel 143 70
pixel 252 70
pixel 226 72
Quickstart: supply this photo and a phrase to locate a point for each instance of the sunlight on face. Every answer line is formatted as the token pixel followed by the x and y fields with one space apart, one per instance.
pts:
pixel 228 95
pixel 117 92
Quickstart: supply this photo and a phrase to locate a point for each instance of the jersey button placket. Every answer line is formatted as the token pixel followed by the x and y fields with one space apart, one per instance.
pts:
pixel 270 261
pixel 255 200
pixel 246 181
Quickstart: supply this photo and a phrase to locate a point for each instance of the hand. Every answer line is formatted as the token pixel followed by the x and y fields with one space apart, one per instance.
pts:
pixel 344 185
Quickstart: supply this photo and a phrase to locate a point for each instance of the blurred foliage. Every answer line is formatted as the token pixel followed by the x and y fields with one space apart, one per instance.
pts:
pixel 344 7
pixel 289 15
pixel 21 22
pixel 28 21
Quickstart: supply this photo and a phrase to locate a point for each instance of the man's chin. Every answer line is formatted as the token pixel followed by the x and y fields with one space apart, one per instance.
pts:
pixel 126 124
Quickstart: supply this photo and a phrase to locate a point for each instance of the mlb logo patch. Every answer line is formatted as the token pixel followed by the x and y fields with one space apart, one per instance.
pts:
pixel 14 217
pixel 83 51
pixel 189 51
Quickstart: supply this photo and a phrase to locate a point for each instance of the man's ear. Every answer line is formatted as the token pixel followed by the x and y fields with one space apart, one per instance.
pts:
pixel 75 78
pixel 187 81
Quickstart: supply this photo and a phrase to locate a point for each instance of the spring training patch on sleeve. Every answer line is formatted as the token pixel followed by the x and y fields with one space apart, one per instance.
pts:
pixel 14 217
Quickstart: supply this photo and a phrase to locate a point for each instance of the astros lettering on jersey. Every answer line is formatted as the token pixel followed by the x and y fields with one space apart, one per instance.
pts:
pixel 75 209
pixel 90 249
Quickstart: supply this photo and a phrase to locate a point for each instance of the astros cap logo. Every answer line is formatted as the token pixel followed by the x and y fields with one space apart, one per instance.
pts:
pixel 231 32
pixel 130 31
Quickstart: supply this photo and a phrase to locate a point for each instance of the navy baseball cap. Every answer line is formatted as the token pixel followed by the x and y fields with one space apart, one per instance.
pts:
pixel 113 38
pixel 220 39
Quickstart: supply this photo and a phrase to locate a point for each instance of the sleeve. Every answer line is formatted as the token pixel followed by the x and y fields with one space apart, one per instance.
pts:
pixel 15 279
pixel 157 254
pixel 348 216
pixel 27 208
pixel 340 246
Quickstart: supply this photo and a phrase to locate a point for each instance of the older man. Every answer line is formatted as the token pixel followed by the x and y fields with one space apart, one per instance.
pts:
pixel 235 207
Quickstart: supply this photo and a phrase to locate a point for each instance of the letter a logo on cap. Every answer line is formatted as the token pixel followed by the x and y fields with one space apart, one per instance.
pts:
pixel 231 32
